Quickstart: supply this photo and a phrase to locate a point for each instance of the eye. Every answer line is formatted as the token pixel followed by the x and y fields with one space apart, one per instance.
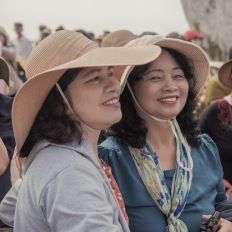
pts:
pixel 152 78
pixel 155 78
pixel 95 78
pixel 178 76
pixel 110 74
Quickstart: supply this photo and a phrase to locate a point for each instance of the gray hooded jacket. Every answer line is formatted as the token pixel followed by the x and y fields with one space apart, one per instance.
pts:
pixel 63 189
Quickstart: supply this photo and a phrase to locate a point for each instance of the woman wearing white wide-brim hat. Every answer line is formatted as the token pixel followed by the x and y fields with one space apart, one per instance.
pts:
pixel 168 173
pixel 72 93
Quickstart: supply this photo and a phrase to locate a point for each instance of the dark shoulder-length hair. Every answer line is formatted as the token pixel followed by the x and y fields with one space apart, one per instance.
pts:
pixel 54 122
pixel 131 130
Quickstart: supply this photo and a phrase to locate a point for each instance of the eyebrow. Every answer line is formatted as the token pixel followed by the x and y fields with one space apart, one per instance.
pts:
pixel 161 70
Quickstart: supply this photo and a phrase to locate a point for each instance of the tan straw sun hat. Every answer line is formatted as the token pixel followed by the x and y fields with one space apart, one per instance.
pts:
pixel 190 50
pixel 52 57
pixel 225 74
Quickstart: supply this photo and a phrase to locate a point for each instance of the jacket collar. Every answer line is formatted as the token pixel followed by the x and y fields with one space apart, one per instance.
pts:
pixel 84 148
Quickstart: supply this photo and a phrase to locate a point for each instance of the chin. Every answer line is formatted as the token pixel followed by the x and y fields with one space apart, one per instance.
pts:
pixel 112 121
pixel 166 117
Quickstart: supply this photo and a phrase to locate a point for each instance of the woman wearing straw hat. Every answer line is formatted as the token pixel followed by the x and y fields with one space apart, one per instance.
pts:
pixel 7 142
pixel 216 121
pixel 72 93
pixel 168 174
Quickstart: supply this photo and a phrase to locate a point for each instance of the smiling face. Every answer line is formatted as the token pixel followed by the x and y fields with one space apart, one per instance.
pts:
pixel 94 96
pixel 162 92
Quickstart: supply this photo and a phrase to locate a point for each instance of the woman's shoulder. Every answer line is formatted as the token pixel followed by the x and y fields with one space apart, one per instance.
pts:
pixel 60 156
pixel 207 152
pixel 111 143
pixel 111 148
pixel 207 144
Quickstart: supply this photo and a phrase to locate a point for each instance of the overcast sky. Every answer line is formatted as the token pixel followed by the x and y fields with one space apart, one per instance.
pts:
pixel 161 16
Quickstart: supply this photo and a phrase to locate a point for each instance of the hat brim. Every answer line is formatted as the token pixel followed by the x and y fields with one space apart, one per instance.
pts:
pixel 4 71
pixel 31 96
pixel 224 74
pixel 190 50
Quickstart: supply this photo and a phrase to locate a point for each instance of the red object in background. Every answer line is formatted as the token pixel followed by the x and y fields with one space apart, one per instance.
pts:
pixel 193 34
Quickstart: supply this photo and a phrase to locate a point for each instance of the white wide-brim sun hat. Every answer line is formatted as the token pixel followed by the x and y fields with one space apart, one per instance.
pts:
pixel 190 50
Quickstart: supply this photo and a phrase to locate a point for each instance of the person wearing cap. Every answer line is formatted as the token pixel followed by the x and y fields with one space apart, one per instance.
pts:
pixel 194 36
pixel 169 174
pixel 7 142
pixel 216 121
pixel 72 93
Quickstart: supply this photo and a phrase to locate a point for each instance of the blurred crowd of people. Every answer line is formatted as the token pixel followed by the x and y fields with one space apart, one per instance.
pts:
pixel 212 116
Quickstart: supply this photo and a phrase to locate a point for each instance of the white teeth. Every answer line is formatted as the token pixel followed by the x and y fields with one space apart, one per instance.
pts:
pixel 168 99
pixel 114 101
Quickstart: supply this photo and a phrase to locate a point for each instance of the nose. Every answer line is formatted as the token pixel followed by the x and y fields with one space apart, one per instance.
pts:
pixel 112 85
pixel 169 84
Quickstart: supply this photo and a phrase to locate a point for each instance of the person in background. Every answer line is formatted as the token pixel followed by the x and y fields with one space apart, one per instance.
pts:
pixel 41 28
pixel 170 176
pixel 22 44
pixel 9 55
pixel 216 121
pixel 59 28
pixel 175 35
pixel 7 142
pixel 147 33
pixel 45 33
pixel 72 93
pixel 214 90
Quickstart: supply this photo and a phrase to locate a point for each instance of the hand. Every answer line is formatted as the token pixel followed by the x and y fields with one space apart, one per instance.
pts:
pixel 229 188
pixel 225 225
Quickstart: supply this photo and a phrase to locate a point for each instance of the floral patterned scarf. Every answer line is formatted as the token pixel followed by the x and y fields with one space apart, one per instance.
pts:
pixel 170 203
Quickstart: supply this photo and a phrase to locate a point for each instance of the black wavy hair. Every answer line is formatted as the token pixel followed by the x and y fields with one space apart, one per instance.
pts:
pixel 54 122
pixel 131 130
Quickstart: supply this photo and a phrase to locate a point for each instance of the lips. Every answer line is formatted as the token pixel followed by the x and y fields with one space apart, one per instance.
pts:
pixel 111 102
pixel 169 99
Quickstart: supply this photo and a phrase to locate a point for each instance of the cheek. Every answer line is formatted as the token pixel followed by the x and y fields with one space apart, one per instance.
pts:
pixel 185 90
pixel 144 92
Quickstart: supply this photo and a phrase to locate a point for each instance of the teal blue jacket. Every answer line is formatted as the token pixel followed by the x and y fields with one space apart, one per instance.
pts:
pixel 206 192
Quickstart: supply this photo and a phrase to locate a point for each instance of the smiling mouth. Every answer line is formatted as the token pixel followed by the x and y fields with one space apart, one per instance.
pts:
pixel 168 99
pixel 111 102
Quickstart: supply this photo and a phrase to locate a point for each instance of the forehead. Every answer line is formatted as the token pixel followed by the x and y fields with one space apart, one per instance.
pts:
pixel 93 70
pixel 163 61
